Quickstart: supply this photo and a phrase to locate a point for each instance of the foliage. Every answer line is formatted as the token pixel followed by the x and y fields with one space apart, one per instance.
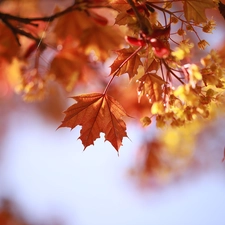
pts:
pixel 158 44
pixel 102 114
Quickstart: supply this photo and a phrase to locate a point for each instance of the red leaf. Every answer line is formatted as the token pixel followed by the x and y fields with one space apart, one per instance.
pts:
pixel 97 113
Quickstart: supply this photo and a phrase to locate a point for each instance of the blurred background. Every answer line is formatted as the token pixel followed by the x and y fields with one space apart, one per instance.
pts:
pixel 47 179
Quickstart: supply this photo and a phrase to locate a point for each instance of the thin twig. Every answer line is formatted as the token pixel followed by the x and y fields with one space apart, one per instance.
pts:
pixel 168 68
pixel 74 6
pixel 17 31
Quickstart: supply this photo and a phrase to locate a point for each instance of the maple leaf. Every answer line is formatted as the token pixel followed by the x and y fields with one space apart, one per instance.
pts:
pixel 101 40
pixel 68 65
pixel 130 67
pixel 120 5
pixel 97 113
pixel 152 65
pixel 125 19
pixel 72 24
pixel 195 10
pixel 150 85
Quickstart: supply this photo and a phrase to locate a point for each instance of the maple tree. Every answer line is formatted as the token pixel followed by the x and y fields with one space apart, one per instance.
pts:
pixel 171 81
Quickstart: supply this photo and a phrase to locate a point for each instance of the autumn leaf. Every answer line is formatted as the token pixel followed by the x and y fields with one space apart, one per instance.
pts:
pixel 149 158
pixel 67 66
pixel 90 31
pixel 152 65
pixel 150 85
pixel 130 67
pixel 124 19
pixel 195 10
pixel 72 24
pixel 120 5
pixel 66 71
pixel 97 113
pixel 101 40
pixel 8 46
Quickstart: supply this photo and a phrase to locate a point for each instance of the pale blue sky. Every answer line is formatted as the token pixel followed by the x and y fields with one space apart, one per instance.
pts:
pixel 48 175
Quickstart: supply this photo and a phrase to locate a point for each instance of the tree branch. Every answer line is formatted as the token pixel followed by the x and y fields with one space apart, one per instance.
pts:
pixel 5 17
pixel 17 31
pixel 143 27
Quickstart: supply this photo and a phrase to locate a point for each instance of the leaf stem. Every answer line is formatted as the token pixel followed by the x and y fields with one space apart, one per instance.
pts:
pixel 169 69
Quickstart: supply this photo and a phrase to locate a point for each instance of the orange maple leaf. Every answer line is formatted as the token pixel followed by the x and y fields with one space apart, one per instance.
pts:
pixel 97 113
pixel 101 40
pixel 72 24
pixel 152 64
pixel 130 67
pixel 195 10
pixel 120 5
pixel 68 65
pixel 8 46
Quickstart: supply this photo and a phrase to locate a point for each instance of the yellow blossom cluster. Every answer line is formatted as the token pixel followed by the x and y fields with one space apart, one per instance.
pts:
pixel 196 97
pixel 209 26
pixel 183 50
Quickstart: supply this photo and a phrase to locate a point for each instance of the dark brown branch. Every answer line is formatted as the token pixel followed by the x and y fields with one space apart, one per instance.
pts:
pixel 75 6
pixel 221 8
pixel 11 27
pixel 17 31
pixel 5 17
pixel 142 25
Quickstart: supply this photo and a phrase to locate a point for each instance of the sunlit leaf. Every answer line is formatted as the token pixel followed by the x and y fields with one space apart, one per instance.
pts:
pixel 130 67
pixel 101 41
pixel 97 113
pixel 194 10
